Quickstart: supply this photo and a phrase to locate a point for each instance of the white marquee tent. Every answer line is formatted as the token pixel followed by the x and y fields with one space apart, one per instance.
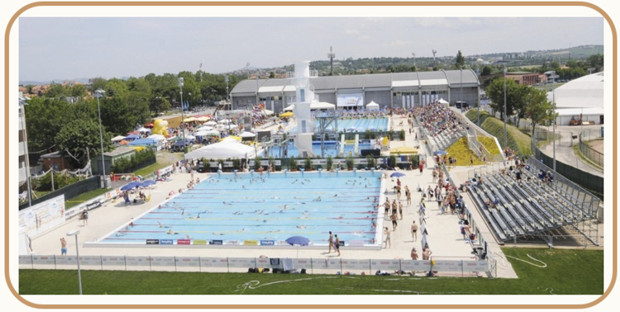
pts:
pixel 372 106
pixel 223 150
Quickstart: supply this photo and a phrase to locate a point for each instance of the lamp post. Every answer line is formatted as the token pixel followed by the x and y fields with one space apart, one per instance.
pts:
pixel 98 94
pixel 182 110
pixel 77 253
pixel 505 115
pixel 553 120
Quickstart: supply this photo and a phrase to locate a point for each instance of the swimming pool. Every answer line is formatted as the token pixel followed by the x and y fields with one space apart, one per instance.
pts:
pixel 331 148
pixel 255 209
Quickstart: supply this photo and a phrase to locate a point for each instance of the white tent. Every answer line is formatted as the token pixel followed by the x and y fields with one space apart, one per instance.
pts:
pixel 157 137
pixel 144 130
pixel 210 123
pixel 247 134
pixel 444 102
pixel 118 138
pixel 372 106
pixel 204 128
pixel 201 133
pixel 222 150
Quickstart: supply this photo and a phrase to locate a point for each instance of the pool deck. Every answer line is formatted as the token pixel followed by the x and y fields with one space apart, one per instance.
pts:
pixel 445 239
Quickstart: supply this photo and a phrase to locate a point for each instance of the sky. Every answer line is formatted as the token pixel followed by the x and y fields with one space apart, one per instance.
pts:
pixel 57 48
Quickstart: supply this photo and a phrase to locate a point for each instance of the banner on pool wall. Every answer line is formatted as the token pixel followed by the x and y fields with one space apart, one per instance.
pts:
pixel 42 216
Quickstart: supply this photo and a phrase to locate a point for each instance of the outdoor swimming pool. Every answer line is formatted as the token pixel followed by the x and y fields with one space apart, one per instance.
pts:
pixel 255 209
pixel 331 148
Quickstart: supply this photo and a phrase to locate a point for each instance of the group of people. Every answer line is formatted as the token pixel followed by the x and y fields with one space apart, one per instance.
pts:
pixel 334 242
pixel 436 118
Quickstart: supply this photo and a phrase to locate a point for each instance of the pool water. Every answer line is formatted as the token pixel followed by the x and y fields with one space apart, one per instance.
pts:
pixel 264 209
pixel 331 148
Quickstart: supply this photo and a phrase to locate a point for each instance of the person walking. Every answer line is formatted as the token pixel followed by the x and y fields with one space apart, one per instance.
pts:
pixel 63 246
pixel 386 233
pixel 337 244
pixel 331 242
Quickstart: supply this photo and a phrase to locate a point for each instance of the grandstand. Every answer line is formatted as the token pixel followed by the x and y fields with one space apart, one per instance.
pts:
pixel 532 206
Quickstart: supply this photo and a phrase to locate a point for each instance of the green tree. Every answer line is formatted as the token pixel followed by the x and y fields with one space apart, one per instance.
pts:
pixel 159 104
pixel 538 108
pixel 79 135
pixel 486 70
pixel 495 92
pixel 116 88
pixel 460 60
pixel 44 118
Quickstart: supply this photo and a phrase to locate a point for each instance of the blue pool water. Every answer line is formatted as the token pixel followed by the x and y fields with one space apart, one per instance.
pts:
pixel 263 209
pixel 357 125
pixel 331 148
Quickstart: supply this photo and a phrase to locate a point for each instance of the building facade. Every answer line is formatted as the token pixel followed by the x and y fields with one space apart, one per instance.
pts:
pixel 389 90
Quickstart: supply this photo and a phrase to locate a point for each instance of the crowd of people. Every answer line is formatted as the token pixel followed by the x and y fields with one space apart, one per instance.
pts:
pixel 437 118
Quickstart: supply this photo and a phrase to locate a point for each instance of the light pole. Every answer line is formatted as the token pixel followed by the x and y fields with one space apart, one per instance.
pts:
pixel 505 115
pixel 182 110
pixel 22 104
pixel 77 258
pixel 553 120
pixel 98 94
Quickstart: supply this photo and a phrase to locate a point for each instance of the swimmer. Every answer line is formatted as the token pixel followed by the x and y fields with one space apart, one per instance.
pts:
pixel 301 226
pixel 318 199
pixel 171 232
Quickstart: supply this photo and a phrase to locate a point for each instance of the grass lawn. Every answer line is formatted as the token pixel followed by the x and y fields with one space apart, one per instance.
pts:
pixel 517 140
pixel 84 197
pixel 567 272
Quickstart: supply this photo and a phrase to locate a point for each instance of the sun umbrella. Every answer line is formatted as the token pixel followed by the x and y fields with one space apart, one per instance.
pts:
pixel 298 240
pixel 440 152
pixel 397 175
pixel 130 185
pixel 146 183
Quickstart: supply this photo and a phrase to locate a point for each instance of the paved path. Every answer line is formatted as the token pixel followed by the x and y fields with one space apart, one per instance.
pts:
pixel 564 148
pixel 445 238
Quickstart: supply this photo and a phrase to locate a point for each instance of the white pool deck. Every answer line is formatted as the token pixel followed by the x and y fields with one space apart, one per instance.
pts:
pixel 444 233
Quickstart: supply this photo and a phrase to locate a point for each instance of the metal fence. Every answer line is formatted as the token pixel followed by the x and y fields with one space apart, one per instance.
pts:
pixel 235 264
pixel 587 151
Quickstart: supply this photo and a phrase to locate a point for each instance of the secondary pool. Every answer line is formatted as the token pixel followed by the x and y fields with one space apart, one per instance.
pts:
pixel 356 125
pixel 264 209
pixel 331 148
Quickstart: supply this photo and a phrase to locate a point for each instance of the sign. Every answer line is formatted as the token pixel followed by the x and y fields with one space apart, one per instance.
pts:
pixel 216 242
pixel 166 242
pixel 199 242
pixel 267 242
pixel 191 262
pixel 43 216
pixel 250 242
pixel 152 241
pixel 385 265
pixel 183 241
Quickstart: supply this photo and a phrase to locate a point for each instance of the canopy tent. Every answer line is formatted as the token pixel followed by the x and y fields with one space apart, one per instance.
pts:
pixel 118 138
pixel 247 134
pixel 132 137
pixel 372 106
pixel 444 102
pixel 143 142
pixel 144 130
pixel 204 128
pixel 157 137
pixel 267 112
pixel 224 121
pixel 210 123
pixel 203 118
pixel 222 150
pixel 189 119
pixel 201 133
pixel 286 115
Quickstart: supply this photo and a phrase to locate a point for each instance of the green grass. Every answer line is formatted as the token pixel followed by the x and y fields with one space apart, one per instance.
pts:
pixel 567 272
pixel 84 197
pixel 517 140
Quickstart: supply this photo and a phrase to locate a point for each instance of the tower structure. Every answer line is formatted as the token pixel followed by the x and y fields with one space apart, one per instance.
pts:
pixel 331 55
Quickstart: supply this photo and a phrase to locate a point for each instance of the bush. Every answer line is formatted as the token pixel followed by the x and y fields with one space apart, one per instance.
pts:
pixel 292 164
pixel 401 135
pixel 330 163
pixel 61 180
pixel 371 161
pixel 257 162
pixel 138 160
pixel 308 164
pixel 350 163
pixel 236 163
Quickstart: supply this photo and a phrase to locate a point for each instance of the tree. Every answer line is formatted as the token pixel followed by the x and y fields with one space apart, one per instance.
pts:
pixel 486 70
pixel 460 60
pixel 79 135
pixel 44 118
pixel 538 108
pixel 159 104
pixel 495 92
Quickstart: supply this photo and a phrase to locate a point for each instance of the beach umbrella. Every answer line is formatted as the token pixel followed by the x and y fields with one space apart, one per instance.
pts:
pixel 210 123
pixel 298 240
pixel 146 183
pixel 130 185
pixel 440 152
pixel 397 175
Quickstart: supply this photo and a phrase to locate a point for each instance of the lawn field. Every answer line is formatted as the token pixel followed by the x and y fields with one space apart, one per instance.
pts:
pixel 558 271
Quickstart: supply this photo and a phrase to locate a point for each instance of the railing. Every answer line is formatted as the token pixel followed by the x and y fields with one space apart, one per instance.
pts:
pixel 587 151
pixel 451 267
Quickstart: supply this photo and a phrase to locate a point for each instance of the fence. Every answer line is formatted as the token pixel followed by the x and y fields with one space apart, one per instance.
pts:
pixel 587 151
pixel 235 264
pixel 69 191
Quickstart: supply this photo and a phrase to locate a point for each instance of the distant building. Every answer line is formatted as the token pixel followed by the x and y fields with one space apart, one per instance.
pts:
pixel 580 99
pixel 525 78
pixel 57 161
pixel 389 90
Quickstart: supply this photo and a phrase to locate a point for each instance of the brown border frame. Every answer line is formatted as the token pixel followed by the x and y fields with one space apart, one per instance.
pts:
pixel 304 306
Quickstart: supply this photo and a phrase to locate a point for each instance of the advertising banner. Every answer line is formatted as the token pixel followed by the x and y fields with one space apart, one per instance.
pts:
pixel 42 216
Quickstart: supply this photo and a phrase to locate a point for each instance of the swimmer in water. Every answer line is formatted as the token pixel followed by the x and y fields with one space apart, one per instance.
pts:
pixel 318 199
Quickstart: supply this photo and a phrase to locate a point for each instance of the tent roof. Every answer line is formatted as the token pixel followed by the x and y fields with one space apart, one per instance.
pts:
pixel 222 150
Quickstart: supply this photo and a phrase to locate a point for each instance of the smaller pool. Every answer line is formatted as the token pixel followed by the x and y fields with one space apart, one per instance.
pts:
pixel 331 148
pixel 357 125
